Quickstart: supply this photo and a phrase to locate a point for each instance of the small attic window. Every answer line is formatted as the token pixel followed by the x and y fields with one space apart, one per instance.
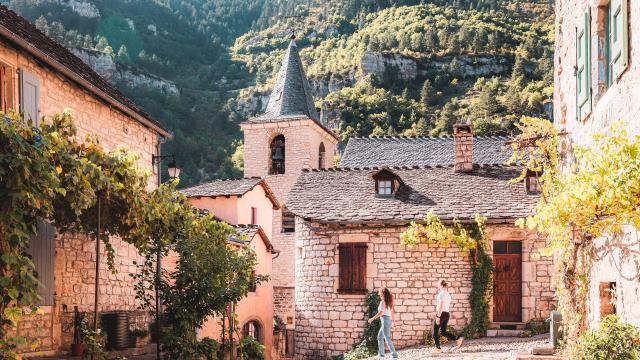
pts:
pixel 387 183
pixel 385 187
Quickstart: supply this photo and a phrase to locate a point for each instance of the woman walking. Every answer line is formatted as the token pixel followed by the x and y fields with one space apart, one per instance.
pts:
pixel 385 313
pixel 443 303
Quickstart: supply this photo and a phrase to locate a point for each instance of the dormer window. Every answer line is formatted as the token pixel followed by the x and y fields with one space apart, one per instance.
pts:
pixel 385 187
pixel 387 183
pixel 532 182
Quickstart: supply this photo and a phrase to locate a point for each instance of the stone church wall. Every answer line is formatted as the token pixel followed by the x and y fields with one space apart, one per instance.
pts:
pixel 329 323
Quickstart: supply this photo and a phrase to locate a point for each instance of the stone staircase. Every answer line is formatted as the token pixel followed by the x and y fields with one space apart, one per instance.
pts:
pixel 504 329
pixel 538 353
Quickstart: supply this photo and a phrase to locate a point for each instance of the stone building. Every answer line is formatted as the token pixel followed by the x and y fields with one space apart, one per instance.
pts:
pixel 348 226
pixel 40 78
pixel 597 82
pixel 248 205
pixel 278 145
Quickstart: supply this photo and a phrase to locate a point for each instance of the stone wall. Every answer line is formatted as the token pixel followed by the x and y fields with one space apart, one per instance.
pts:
pixel 617 102
pixel 74 263
pixel 329 323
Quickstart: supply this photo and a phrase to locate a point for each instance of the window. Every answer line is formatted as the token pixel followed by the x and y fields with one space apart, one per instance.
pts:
pixel 507 247
pixel 254 216
pixel 321 154
pixel 253 285
pixel 6 89
pixel 277 155
pixel 253 329
pixel 617 39
pixel 387 183
pixel 607 299
pixel 583 66
pixel 29 96
pixel 384 187
pixel 288 221
pixel 352 268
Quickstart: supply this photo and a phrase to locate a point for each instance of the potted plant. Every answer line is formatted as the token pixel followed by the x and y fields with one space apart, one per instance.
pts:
pixel 77 347
pixel 94 341
pixel 140 337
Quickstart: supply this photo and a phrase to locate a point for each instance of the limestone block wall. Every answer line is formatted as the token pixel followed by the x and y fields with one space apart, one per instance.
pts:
pixel 618 102
pixel 74 254
pixel 329 323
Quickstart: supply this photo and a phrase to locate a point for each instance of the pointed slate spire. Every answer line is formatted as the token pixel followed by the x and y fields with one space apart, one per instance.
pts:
pixel 291 95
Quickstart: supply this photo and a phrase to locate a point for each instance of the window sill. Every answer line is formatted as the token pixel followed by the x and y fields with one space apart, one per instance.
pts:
pixel 353 291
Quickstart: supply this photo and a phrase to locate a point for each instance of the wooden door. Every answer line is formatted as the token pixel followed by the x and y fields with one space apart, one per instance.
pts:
pixel 507 281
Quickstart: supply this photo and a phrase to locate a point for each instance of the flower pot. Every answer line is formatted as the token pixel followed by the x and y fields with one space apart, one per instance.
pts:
pixel 77 349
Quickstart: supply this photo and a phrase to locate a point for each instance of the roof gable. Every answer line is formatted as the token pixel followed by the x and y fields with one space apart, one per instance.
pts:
pixel 419 151
pixel 230 187
pixel 244 235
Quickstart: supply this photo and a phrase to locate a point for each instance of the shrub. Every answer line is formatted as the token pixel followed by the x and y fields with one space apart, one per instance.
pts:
pixel 251 349
pixel 361 351
pixel 613 340
pixel 535 327
pixel 207 348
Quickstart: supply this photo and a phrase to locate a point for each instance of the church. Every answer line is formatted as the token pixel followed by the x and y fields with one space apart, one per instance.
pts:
pixel 336 230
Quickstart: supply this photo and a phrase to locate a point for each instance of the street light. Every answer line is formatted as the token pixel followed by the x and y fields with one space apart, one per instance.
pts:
pixel 173 170
pixel 174 173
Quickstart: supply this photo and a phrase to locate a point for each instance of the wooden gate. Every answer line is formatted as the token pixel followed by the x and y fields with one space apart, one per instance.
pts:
pixel 507 281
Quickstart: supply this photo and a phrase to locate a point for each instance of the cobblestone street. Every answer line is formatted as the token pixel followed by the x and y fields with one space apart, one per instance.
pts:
pixel 498 348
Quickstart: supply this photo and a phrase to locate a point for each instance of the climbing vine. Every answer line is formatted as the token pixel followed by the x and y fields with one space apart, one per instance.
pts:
pixel 586 211
pixel 46 174
pixel 470 239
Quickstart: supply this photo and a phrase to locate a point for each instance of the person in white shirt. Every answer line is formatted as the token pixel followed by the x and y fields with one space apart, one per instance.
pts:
pixel 385 313
pixel 443 303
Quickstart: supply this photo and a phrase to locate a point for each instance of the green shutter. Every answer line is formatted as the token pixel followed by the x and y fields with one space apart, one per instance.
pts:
pixel 618 20
pixel 583 66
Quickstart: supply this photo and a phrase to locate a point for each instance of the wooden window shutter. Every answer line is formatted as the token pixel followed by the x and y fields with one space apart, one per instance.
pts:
pixel 352 268
pixel 29 96
pixel 619 23
pixel 583 65
pixel 42 251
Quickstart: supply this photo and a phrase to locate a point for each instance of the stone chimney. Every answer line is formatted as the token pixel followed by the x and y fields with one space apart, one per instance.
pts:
pixel 463 147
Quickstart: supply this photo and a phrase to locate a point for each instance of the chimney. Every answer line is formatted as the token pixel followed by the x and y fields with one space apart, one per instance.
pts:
pixel 463 148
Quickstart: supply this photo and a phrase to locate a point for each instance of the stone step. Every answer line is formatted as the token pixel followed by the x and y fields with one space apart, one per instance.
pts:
pixel 537 353
pixel 503 333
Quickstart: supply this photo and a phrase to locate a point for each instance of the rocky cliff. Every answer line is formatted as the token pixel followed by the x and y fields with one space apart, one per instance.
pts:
pixel 115 72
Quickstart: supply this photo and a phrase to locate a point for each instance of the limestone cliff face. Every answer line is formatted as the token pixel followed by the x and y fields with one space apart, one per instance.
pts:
pixel 377 63
pixel 251 101
pixel 104 65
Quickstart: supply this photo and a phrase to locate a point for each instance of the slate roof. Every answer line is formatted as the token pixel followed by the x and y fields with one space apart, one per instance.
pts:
pixel 291 96
pixel 229 187
pixel 346 196
pixel 419 151
pixel 16 28
pixel 246 233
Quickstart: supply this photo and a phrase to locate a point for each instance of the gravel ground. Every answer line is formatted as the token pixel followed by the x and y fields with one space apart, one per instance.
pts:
pixel 495 348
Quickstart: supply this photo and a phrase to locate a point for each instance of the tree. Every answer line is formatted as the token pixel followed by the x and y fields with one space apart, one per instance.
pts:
pixel 123 55
pixel 427 97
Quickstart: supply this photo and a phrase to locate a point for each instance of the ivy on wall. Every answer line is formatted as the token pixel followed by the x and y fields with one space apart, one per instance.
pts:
pixel 470 239
pixel 594 196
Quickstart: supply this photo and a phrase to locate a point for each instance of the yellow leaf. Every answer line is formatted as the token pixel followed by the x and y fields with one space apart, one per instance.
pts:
pixel 59 169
